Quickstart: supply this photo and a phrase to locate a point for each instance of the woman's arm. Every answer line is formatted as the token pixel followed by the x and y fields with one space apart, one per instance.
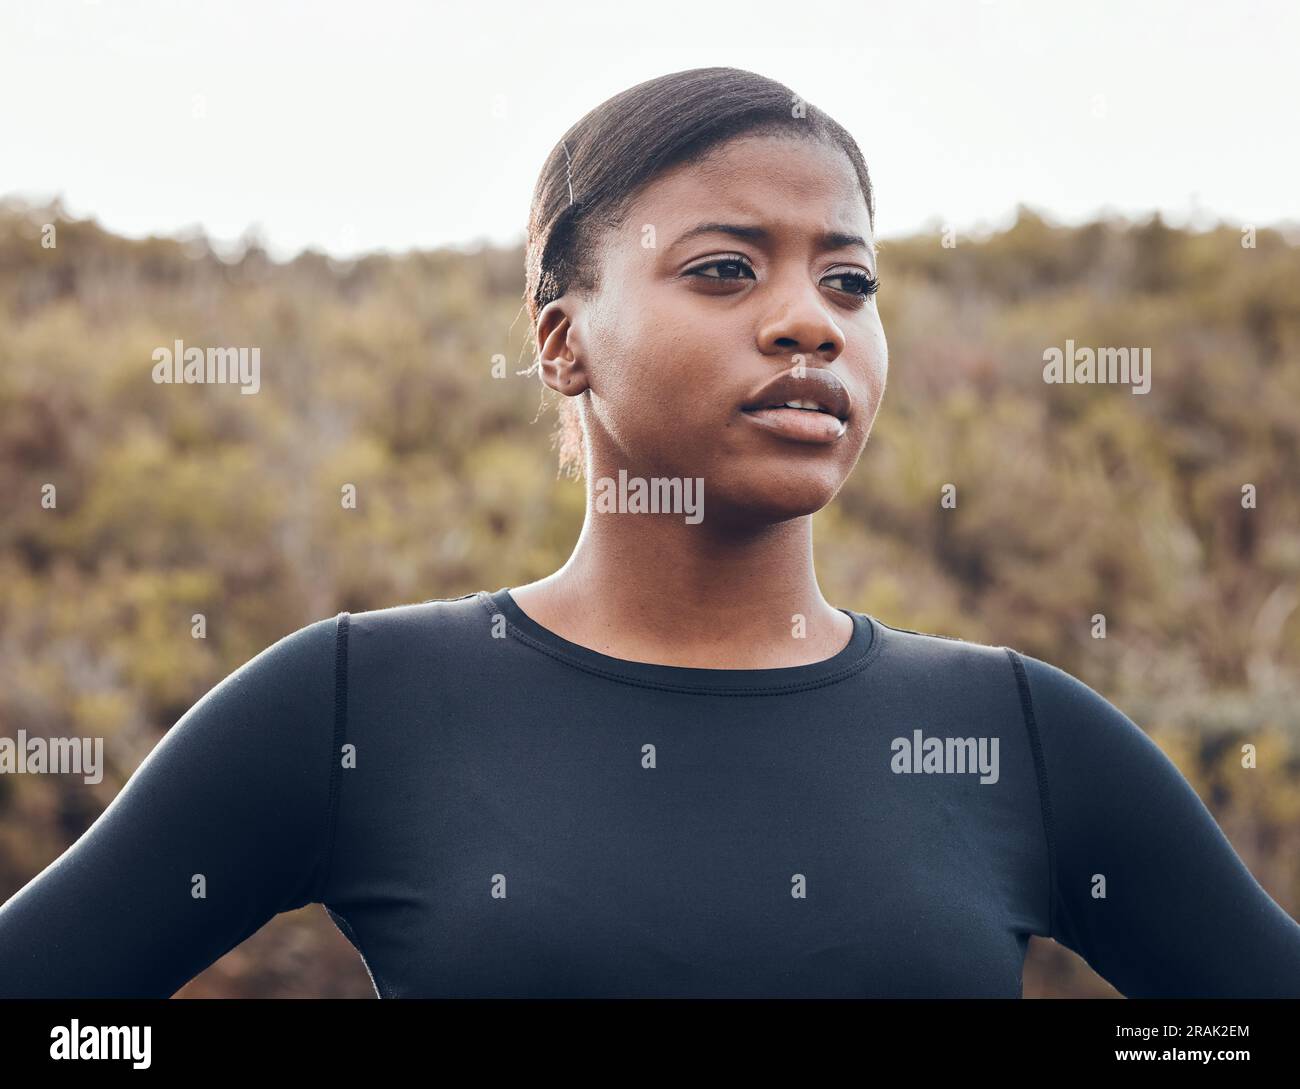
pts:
pixel 1181 916
pixel 224 824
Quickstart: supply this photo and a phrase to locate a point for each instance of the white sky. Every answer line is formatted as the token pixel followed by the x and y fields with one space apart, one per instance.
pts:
pixel 383 124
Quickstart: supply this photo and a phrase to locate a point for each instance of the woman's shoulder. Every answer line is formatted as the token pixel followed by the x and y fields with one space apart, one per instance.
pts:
pixel 434 630
pixel 1052 700
pixel 933 653
pixel 432 616
pixel 310 664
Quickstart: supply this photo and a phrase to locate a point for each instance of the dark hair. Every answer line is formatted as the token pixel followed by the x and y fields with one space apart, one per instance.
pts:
pixel 599 166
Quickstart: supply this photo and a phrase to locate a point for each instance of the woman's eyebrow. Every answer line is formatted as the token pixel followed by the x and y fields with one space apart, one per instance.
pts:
pixel 830 240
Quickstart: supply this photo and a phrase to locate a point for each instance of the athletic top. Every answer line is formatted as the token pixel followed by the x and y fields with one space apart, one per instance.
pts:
pixel 487 809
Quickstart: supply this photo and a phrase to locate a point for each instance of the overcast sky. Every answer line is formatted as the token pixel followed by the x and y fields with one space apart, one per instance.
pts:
pixel 358 126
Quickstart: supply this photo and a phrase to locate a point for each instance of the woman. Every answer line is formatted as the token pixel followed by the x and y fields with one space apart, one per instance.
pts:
pixel 671 767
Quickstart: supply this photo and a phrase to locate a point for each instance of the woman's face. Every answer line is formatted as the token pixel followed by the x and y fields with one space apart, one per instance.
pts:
pixel 690 325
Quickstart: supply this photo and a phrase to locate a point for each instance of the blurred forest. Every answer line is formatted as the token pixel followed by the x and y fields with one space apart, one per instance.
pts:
pixel 1073 500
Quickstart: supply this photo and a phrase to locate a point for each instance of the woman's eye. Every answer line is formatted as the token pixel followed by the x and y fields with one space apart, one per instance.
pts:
pixel 861 284
pixel 858 284
pixel 729 265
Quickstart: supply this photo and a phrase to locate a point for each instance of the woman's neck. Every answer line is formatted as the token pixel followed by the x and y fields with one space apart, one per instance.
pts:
pixel 653 588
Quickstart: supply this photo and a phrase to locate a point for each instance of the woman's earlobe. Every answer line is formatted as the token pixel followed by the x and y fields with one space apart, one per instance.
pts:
pixel 563 371
pixel 569 379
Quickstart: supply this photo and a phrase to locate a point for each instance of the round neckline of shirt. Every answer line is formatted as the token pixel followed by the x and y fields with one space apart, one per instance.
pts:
pixel 854 656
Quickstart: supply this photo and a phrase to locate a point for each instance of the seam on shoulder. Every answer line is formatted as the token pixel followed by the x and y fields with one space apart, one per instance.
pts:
pixel 340 735
pixel 1040 768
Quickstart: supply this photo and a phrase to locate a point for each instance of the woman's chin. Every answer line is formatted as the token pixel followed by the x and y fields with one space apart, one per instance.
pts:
pixel 766 502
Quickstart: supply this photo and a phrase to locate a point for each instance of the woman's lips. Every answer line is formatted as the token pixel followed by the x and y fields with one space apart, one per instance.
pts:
pixel 775 406
pixel 798 424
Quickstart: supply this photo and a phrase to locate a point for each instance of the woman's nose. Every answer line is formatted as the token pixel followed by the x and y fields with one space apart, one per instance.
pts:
pixel 801 323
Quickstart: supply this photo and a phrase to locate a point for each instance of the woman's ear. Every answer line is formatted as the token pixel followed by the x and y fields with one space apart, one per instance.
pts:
pixel 559 347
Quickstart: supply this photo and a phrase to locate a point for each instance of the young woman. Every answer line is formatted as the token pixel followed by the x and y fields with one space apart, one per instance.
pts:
pixel 671 767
